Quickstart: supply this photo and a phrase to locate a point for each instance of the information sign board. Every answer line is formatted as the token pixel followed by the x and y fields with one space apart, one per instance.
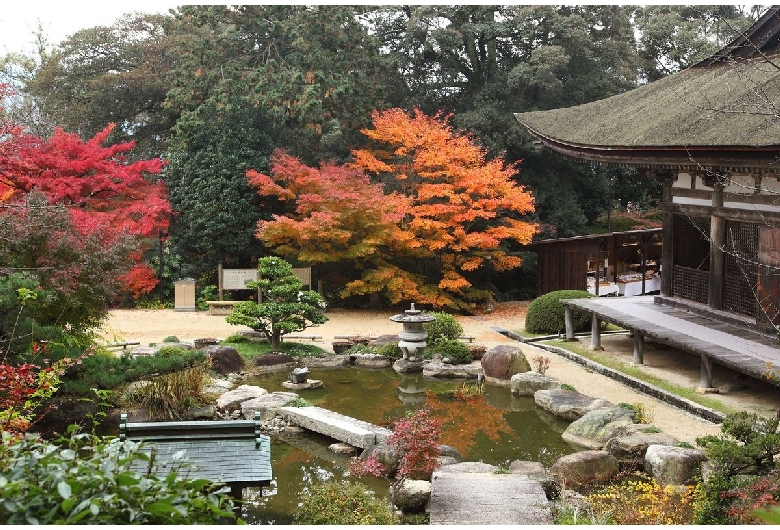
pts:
pixel 235 279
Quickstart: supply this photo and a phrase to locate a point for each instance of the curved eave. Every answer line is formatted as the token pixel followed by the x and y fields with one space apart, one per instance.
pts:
pixel 738 159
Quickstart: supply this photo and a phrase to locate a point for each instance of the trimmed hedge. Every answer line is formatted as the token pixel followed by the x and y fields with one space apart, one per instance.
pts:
pixel 546 313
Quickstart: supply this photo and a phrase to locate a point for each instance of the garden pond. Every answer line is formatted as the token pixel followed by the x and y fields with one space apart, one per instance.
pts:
pixel 494 427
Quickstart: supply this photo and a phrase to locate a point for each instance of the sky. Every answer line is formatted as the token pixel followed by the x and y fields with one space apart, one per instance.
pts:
pixel 59 19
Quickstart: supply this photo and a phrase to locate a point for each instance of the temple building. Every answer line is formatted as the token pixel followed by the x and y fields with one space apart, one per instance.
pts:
pixel 711 135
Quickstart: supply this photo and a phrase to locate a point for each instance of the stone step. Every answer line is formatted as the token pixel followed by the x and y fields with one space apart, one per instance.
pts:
pixel 463 494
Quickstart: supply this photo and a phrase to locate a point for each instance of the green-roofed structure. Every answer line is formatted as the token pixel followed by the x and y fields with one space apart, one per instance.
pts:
pixel 711 135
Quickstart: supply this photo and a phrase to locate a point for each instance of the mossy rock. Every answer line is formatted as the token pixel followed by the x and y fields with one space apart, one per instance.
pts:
pixel 546 313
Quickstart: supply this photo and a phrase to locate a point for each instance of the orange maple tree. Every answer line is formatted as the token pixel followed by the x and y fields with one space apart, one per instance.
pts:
pixel 441 213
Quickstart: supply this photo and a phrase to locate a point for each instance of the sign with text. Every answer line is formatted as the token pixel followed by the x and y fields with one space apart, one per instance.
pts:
pixel 235 279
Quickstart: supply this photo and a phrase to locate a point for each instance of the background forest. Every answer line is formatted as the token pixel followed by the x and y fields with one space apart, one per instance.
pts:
pixel 217 91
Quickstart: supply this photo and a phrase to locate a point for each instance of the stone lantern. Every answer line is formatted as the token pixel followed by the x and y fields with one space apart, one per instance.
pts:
pixel 413 335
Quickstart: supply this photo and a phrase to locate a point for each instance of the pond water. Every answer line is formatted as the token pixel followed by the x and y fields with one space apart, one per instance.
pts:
pixel 495 427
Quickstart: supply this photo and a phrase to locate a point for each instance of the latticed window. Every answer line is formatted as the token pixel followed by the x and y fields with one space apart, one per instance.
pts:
pixel 690 277
pixel 740 267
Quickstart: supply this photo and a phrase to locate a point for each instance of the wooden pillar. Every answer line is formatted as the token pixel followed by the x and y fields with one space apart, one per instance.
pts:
pixel 568 318
pixel 595 333
pixel 705 377
pixel 717 257
pixel 219 280
pixel 639 348
pixel 667 234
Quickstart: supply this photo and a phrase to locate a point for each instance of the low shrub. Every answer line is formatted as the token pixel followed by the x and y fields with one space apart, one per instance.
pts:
pixel 541 364
pixel 237 339
pixel 105 371
pixel 642 502
pixel 746 445
pixel 298 402
pixel 171 351
pixel 546 313
pixel 444 327
pixel 744 500
pixel 85 479
pixel 390 350
pixel 171 338
pixel 170 396
pixel 342 503
pixel 456 351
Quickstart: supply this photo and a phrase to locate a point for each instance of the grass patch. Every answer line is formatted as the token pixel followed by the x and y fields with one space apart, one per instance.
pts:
pixel 609 362
pixel 253 349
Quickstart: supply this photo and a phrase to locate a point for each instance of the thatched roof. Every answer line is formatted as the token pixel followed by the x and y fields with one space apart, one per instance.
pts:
pixel 724 109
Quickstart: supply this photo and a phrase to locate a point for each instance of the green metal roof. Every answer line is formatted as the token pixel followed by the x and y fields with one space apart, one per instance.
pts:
pixel 721 111
pixel 728 105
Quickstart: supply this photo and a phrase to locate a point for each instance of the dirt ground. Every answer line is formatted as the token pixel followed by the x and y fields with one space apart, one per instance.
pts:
pixel 736 392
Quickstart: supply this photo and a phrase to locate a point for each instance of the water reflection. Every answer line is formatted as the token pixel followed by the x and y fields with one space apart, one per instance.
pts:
pixel 495 428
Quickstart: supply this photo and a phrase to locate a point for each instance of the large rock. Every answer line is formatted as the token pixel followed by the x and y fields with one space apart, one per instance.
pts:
pixel 438 370
pixel 231 400
pixel 372 360
pixel 630 449
pixel 535 471
pixel 500 363
pixel 584 467
pixel 326 361
pixel 597 427
pixel 208 412
pixel 266 404
pixel 385 454
pixel 527 383
pixel 412 496
pixel 381 340
pixel 224 359
pixel 273 359
pixel 673 465
pixel 405 366
pixel 568 404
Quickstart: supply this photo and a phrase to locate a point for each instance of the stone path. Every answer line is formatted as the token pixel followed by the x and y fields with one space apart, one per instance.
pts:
pixel 472 493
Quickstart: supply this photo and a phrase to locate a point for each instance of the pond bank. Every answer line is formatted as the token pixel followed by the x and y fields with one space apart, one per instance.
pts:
pixel 147 325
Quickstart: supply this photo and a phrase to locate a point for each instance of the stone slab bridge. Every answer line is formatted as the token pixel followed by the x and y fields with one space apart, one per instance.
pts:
pixel 465 493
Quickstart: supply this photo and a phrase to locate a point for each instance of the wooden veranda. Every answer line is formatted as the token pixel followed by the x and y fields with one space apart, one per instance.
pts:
pixel 729 344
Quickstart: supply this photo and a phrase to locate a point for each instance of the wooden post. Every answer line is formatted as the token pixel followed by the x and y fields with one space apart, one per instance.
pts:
pixel 705 376
pixel 717 257
pixel 595 333
pixel 219 280
pixel 568 317
pixel 667 236
pixel 639 347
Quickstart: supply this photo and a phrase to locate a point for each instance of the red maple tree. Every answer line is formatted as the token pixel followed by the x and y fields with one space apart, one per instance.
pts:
pixel 103 191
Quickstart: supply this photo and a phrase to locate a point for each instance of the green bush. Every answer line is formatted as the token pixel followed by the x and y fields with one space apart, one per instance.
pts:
pixel 171 351
pixel 445 327
pixel 390 350
pixel 342 503
pixel 105 371
pixel 237 339
pixel 171 338
pixel 457 352
pixel 86 479
pixel 546 313
pixel 745 446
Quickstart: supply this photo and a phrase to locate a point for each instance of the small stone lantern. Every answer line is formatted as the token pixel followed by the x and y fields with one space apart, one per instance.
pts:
pixel 413 335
